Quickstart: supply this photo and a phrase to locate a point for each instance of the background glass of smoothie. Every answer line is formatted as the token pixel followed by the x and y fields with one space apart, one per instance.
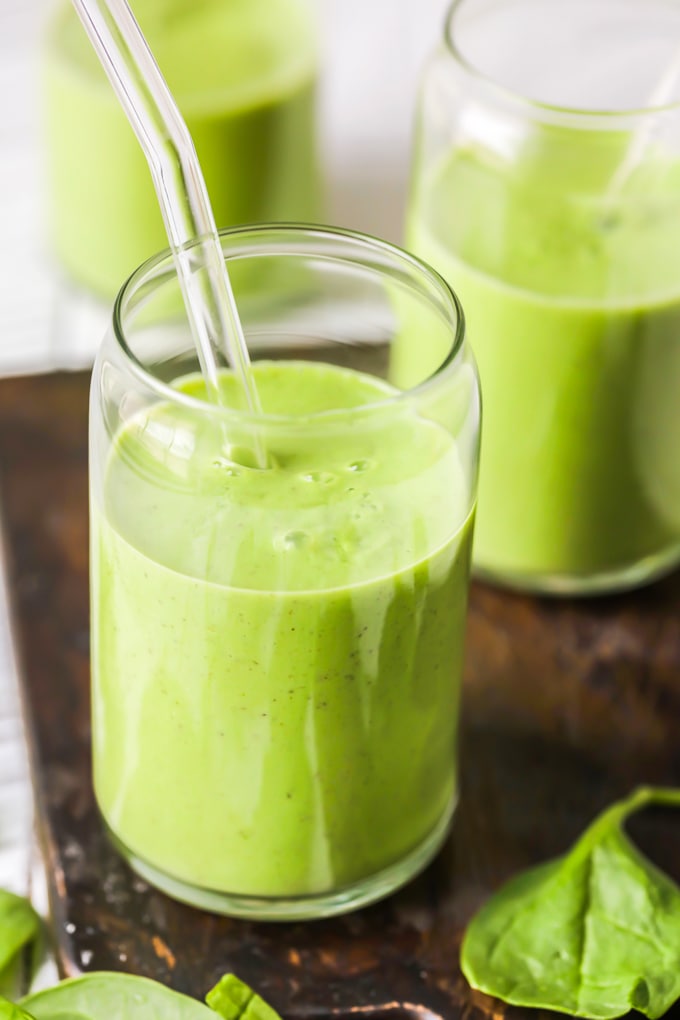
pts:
pixel 548 195
pixel 244 75
pixel 277 651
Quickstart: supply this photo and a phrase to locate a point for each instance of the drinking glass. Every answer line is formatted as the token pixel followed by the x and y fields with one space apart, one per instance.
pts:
pixel 546 188
pixel 278 599
pixel 244 74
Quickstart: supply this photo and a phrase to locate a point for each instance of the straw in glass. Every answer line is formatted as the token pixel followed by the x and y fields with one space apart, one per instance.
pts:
pixel 180 186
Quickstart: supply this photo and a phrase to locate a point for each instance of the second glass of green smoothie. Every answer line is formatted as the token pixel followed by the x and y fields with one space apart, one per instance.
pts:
pixel 546 188
pixel 244 74
pixel 277 643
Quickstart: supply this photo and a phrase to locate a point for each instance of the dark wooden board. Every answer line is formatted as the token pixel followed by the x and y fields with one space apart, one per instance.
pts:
pixel 568 705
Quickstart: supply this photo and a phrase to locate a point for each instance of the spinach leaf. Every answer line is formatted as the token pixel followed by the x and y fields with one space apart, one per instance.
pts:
pixel 234 1000
pixel 101 995
pixel 19 927
pixel 8 1011
pixel 594 933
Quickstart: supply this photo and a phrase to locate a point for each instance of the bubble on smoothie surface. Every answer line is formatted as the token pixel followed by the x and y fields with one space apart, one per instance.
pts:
pixel 319 477
pixel 291 540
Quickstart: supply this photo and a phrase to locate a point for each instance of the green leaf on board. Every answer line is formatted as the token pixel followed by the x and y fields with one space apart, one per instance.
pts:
pixel 594 933
pixel 101 995
pixel 70 1015
pixel 9 1011
pixel 10 978
pixel 19 929
pixel 233 999
pixel 19 925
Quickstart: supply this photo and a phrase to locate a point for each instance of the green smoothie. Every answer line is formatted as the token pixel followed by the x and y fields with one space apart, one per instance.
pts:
pixel 277 653
pixel 572 301
pixel 243 73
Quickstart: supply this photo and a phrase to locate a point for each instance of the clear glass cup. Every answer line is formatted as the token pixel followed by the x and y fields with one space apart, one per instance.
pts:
pixel 277 645
pixel 546 189
pixel 244 74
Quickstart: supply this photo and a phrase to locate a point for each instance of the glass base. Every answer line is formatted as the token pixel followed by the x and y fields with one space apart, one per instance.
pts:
pixel 299 908
pixel 607 582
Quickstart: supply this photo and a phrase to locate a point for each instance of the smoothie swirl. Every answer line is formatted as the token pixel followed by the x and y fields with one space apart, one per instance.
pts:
pixel 276 659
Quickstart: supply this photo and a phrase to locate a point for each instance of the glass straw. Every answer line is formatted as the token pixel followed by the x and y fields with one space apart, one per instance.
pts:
pixel 183 196
pixel 662 95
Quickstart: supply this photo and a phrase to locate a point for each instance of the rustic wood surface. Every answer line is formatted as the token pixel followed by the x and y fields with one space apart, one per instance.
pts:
pixel 568 705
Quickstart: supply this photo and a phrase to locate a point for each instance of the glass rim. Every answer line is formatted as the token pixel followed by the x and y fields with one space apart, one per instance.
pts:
pixel 554 111
pixel 447 367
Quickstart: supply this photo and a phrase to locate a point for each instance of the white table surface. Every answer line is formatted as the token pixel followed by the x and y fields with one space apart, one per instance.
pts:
pixel 373 52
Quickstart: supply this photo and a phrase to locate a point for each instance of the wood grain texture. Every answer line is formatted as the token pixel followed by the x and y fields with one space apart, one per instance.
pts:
pixel 568 705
